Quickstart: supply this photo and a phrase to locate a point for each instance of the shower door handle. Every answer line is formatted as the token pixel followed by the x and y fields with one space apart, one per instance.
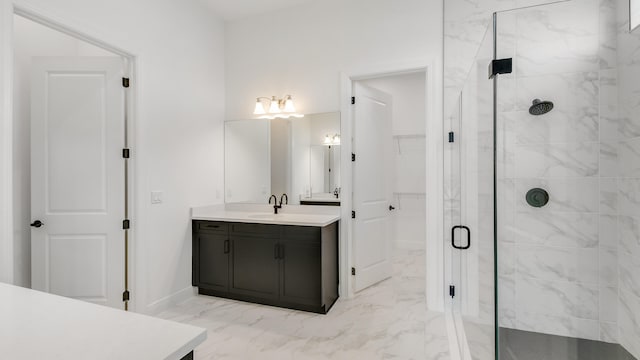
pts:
pixel 453 237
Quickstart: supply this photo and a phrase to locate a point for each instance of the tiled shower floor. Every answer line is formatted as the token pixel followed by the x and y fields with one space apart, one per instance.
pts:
pixel 386 321
pixel 524 345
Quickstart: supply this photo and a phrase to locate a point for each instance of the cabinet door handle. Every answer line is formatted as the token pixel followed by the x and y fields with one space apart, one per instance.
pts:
pixel 226 246
pixel 275 251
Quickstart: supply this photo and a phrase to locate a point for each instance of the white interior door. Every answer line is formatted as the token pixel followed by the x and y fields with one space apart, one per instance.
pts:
pixel 77 178
pixel 372 191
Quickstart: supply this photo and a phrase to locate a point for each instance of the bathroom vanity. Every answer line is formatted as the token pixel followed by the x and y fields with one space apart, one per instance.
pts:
pixel 288 259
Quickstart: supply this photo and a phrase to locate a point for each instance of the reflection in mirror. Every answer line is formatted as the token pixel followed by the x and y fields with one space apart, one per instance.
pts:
pixel 299 157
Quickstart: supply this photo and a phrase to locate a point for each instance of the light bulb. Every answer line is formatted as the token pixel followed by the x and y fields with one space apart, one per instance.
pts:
pixel 336 139
pixel 274 108
pixel 259 110
pixel 288 105
pixel 327 140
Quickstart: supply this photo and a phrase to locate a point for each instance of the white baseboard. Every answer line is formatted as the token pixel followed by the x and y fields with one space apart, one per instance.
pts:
pixel 166 302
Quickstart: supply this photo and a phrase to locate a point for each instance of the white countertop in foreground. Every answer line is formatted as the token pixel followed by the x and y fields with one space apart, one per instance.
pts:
pixel 37 325
pixel 263 214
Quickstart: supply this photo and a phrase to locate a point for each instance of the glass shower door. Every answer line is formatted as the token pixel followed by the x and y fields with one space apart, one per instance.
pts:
pixel 561 195
pixel 452 211
pixel 544 175
pixel 472 221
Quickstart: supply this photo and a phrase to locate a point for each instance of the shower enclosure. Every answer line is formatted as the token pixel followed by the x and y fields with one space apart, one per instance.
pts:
pixel 542 187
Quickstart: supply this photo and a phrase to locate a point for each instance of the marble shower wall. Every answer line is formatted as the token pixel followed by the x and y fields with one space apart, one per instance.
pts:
pixel 558 271
pixel 559 264
pixel 573 267
pixel 623 137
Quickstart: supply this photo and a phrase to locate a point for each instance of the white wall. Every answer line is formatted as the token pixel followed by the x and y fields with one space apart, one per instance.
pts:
pixel 302 50
pixel 178 133
pixel 31 39
pixel 409 157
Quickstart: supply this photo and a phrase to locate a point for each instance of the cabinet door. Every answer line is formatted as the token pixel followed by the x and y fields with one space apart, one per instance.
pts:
pixel 254 266
pixel 213 261
pixel 300 266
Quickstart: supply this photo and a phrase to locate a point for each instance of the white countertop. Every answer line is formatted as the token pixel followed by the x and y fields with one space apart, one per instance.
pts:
pixel 37 325
pixel 263 214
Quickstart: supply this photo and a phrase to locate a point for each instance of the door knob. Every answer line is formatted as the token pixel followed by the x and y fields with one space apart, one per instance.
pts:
pixel 37 224
pixel 391 208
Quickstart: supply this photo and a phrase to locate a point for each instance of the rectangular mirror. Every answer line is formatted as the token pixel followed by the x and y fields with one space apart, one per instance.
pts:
pixel 299 157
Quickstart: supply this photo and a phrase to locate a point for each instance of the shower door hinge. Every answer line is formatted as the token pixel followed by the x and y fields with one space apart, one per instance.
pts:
pixel 353 271
pixel 126 153
pixel 353 157
pixel 125 82
pixel 353 100
pixel 451 136
pixel 125 295
pixel 452 291
pixel 500 66
pixel 353 214
pixel 126 224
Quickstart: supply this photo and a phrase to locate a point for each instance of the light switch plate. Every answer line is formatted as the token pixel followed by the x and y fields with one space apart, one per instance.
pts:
pixel 156 197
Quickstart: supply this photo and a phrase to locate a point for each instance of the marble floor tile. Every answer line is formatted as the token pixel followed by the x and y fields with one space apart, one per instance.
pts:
pixel 386 321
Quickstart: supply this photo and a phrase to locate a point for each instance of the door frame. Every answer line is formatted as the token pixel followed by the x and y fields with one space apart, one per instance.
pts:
pixel 435 249
pixel 71 27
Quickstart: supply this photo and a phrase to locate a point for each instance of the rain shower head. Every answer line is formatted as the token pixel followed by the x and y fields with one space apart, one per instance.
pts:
pixel 540 107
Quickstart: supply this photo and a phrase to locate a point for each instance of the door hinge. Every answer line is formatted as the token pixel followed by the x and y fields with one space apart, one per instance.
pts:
pixel 125 82
pixel 451 136
pixel 353 271
pixel 126 224
pixel 500 66
pixel 452 291
pixel 353 100
pixel 125 295
pixel 126 153
pixel 353 214
pixel 353 157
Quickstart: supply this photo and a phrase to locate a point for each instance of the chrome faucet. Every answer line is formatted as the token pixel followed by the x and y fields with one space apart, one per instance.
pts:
pixel 275 203
pixel 336 192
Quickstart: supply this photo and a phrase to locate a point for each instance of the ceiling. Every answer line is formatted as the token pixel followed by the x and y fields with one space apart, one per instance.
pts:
pixel 236 9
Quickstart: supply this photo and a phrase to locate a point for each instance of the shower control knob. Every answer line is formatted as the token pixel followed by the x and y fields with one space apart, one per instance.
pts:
pixel 537 197
pixel 391 208
pixel 37 224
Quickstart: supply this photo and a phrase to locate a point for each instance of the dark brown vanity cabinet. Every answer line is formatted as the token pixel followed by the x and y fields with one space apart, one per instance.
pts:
pixel 282 265
pixel 211 239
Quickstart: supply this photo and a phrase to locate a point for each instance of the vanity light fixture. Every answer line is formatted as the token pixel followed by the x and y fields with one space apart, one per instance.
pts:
pixel 331 140
pixel 278 108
